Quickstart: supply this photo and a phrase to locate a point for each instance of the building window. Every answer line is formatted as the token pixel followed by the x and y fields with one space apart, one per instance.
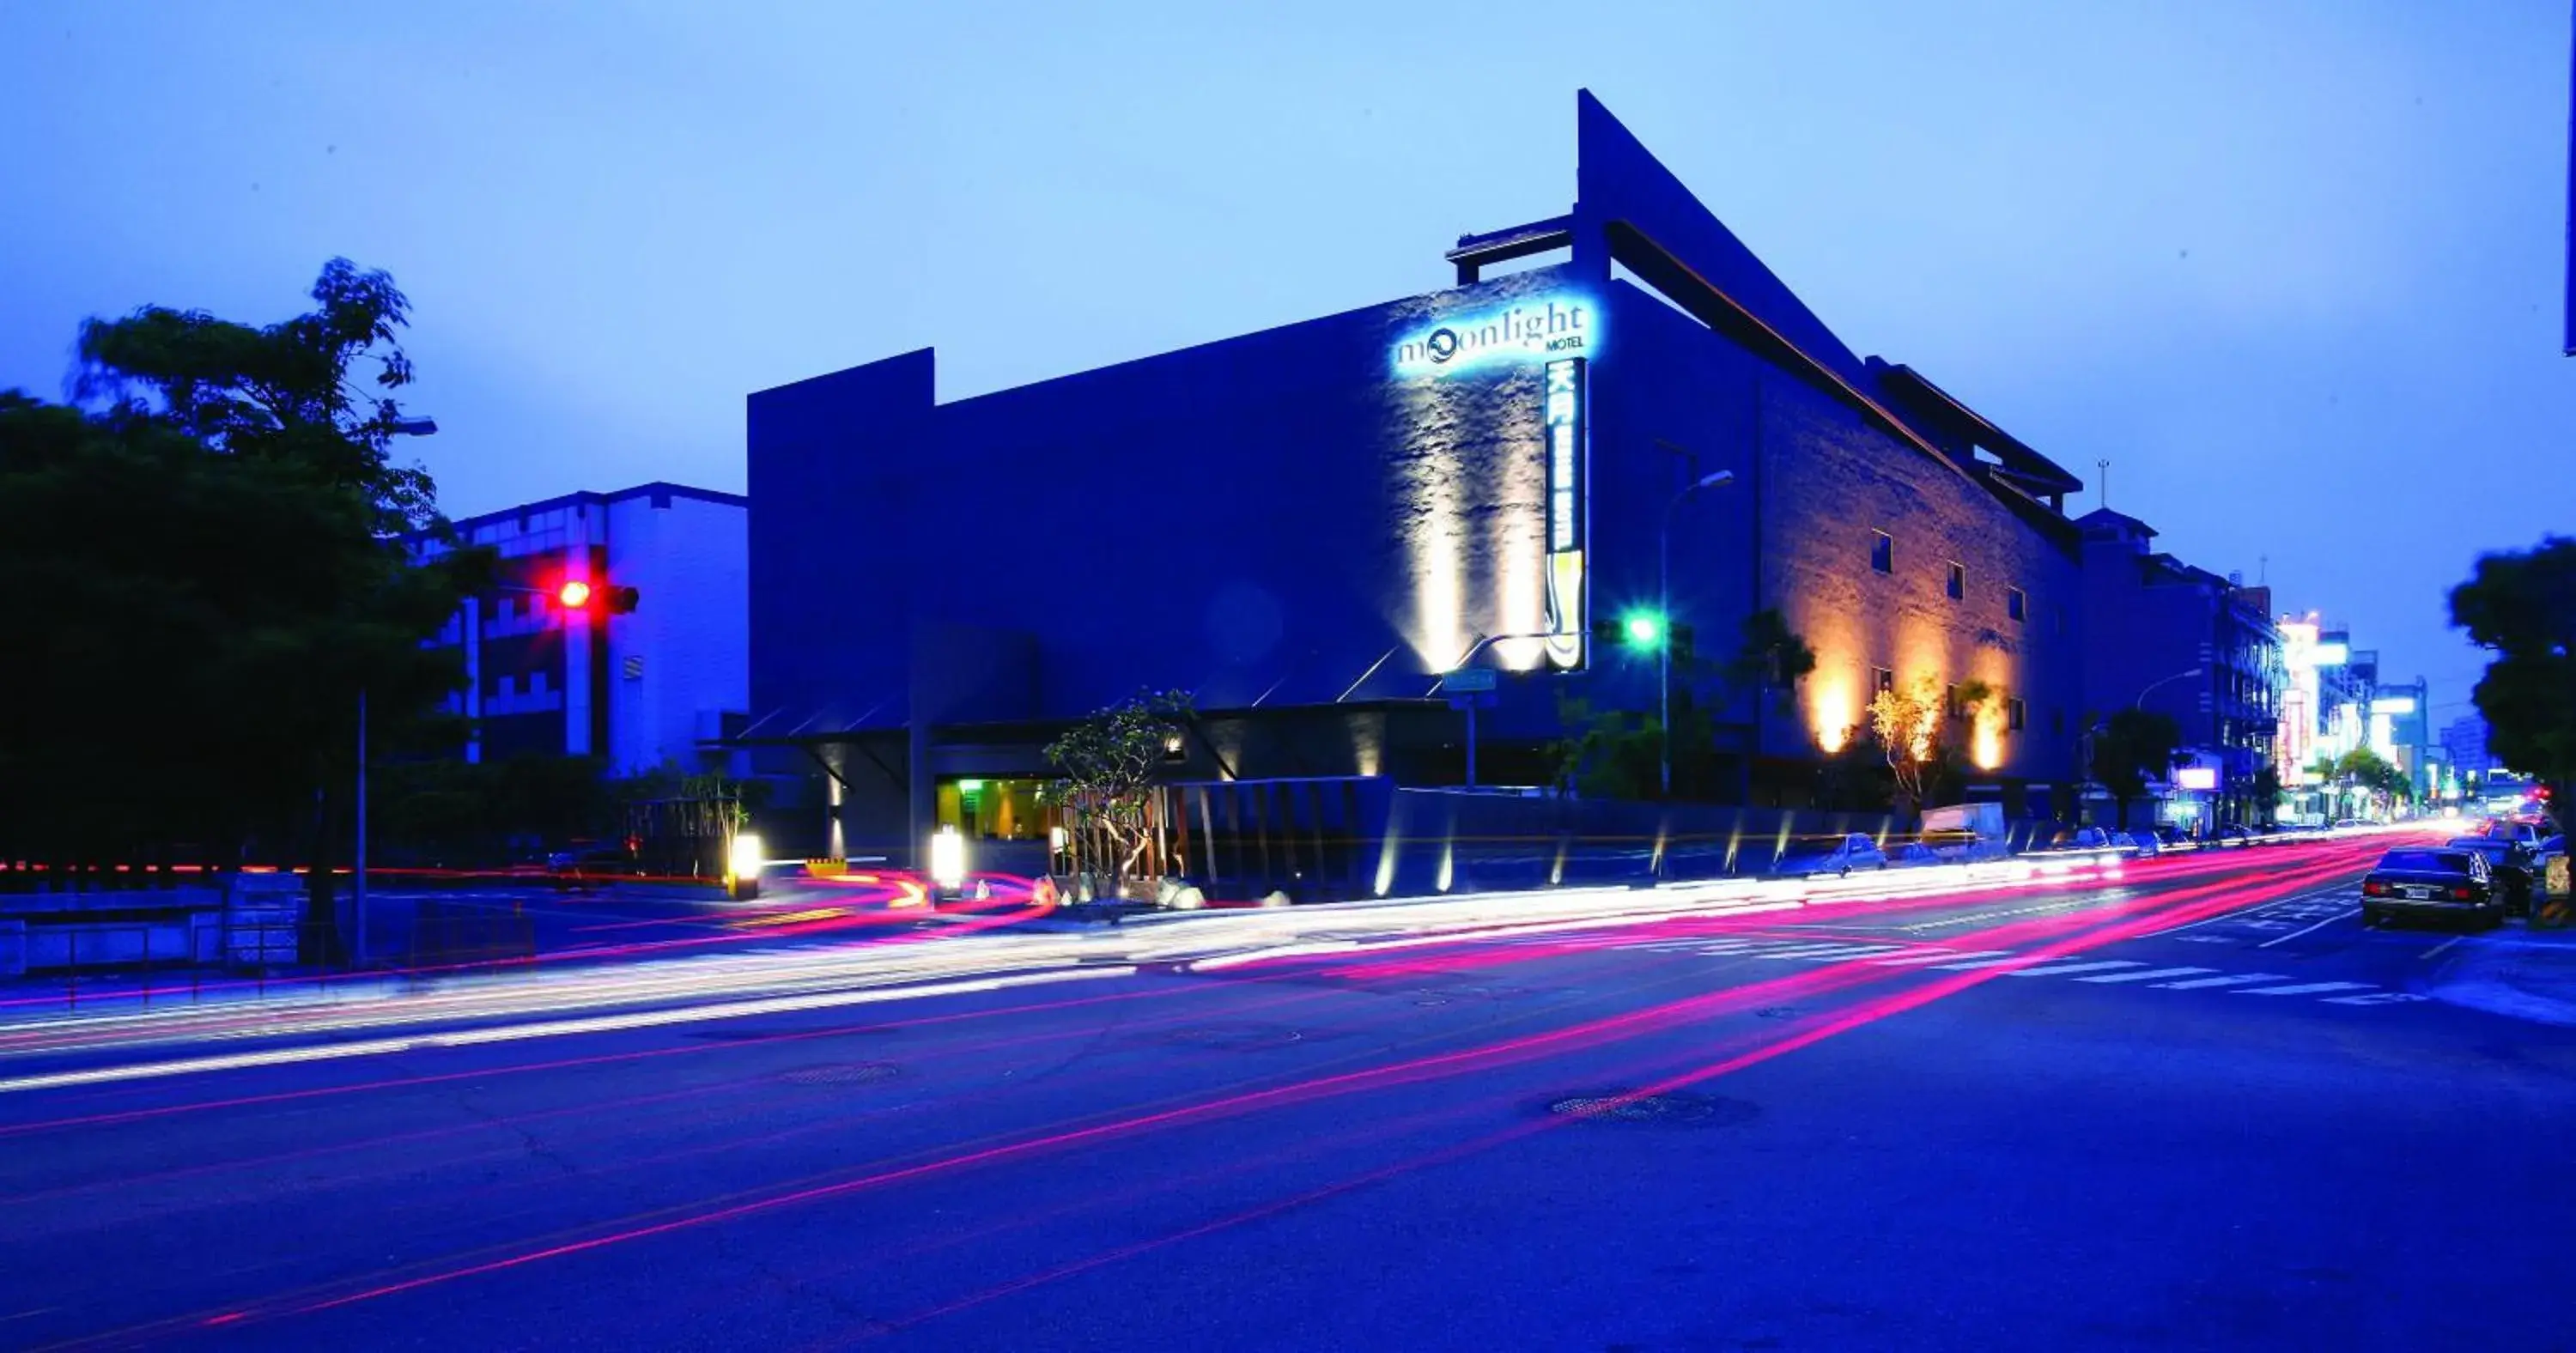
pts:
pixel 1882 551
pixel 1958 581
pixel 2016 604
pixel 1950 702
pixel 2015 714
pixel 1882 680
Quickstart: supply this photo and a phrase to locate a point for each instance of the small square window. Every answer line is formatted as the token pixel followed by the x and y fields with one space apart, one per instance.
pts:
pixel 1882 551
pixel 1882 680
pixel 2015 714
pixel 1958 586
pixel 2016 604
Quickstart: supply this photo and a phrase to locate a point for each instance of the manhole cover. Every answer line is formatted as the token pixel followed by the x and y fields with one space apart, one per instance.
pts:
pixel 841 1073
pixel 1672 1108
pixel 1232 1037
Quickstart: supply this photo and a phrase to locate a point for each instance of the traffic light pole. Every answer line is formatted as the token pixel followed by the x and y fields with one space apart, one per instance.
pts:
pixel 1664 618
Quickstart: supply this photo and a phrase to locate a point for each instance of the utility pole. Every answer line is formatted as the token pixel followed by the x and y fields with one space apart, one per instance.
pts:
pixel 358 874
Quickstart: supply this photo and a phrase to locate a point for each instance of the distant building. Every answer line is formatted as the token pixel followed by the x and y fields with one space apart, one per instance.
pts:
pixel 2166 636
pixel 2464 739
pixel 640 689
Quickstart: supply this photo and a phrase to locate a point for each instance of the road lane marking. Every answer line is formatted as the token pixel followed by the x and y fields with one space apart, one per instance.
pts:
pixel 2148 975
pixel 2443 945
pixel 2377 998
pixel 511 1033
pixel 2297 933
pixel 2062 969
pixel 2240 979
pixel 1984 963
pixel 2307 988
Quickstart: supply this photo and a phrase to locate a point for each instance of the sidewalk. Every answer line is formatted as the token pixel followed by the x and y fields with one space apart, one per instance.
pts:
pixel 2517 972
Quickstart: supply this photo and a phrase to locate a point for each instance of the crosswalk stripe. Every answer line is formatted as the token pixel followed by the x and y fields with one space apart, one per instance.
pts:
pixel 2006 960
pixel 1835 952
pixel 2239 980
pixel 1935 956
pixel 2061 969
pixel 2145 976
pixel 2304 988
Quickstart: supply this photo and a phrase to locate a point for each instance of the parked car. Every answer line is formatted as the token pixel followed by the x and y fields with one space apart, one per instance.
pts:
pixel 2509 864
pixel 2148 843
pixel 2520 833
pixel 1914 855
pixel 1855 851
pixel 2345 824
pixel 2082 838
pixel 2231 834
pixel 2426 881
pixel 584 860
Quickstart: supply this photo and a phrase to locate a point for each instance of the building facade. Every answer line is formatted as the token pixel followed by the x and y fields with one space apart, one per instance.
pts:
pixel 1307 527
pixel 658 683
pixel 2200 648
pixel 2464 741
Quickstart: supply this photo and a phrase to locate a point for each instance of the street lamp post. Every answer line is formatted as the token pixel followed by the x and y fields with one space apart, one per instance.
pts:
pixel 1664 607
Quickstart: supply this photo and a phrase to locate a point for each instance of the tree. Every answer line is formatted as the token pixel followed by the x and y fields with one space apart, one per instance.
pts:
pixel 2370 771
pixel 1909 722
pixel 203 561
pixel 2130 748
pixel 2267 793
pixel 2521 605
pixel 1109 762
pixel 1772 660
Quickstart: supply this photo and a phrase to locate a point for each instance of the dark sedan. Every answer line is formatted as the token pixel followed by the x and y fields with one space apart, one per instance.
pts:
pixel 2510 862
pixel 2418 881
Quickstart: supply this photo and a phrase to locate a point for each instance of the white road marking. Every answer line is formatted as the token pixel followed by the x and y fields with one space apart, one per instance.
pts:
pixel 2307 988
pixel 1833 953
pixel 2148 975
pixel 2240 979
pixel 2443 945
pixel 2062 969
pixel 1936 956
pixel 1983 963
pixel 2377 998
pixel 2297 933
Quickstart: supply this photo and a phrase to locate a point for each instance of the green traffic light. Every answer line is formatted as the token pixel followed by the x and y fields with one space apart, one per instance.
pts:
pixel 1645 629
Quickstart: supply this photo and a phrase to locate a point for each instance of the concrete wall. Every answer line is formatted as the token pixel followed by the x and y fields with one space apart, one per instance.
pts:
pixel 682 659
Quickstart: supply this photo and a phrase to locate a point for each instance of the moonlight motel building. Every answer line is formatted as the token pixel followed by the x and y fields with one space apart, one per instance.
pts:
pixel 1310 526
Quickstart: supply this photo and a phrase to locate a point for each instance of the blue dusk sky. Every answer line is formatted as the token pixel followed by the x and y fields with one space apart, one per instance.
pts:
pixel 2293 268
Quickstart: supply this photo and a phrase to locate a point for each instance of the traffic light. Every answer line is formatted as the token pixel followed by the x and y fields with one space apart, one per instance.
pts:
pixel 1644 630
pixel 576 595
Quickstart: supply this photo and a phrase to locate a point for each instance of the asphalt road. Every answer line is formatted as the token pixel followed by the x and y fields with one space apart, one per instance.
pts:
pixel 2194 1105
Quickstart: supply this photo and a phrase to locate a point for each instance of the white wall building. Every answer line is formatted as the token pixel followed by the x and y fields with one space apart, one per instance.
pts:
pixel 640 688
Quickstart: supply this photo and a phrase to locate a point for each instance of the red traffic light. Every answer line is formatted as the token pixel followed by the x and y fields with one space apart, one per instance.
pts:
pixel 574 594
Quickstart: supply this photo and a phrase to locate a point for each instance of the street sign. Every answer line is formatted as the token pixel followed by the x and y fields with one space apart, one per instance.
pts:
pixel 1468 681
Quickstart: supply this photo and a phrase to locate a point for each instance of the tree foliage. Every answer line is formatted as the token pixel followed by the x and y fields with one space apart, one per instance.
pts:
pixel 1109 762
pixel 2131 748
pixel 2521 605
pixel 1910 724
pixel 200 569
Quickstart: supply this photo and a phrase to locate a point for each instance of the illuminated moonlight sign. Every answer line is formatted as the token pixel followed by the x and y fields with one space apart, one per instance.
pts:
pixel 1542 328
